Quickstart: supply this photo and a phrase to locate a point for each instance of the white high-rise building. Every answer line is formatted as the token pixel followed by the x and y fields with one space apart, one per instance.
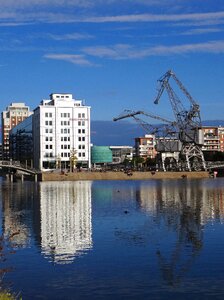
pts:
pixel 61 133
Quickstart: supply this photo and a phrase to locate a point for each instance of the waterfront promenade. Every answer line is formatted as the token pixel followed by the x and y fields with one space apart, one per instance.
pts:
pixel 86 175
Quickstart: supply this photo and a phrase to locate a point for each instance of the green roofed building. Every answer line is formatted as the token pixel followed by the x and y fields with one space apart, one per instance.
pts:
pixel 101 155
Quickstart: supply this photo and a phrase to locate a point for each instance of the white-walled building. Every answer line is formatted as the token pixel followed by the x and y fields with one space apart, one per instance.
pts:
pixel 61 131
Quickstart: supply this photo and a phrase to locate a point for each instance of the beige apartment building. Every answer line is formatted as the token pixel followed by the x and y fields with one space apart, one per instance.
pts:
pixel 213 138
pixel 12 116
pixel 145 146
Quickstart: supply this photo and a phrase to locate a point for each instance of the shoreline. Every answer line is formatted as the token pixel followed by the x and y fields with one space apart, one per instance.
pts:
pixel 121 176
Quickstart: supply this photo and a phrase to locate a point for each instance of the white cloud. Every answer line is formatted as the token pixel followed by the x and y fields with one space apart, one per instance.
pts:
pixel 71 36
pixel 52 16
pixel 130 52
pixel 201 31
pixel 20 4
pixel 72 58
pixel 156 17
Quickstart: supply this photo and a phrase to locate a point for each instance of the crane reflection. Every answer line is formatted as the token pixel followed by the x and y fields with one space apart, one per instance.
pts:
pixel 179 211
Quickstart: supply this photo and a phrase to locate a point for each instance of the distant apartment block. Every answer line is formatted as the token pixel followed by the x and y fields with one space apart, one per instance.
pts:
pixel 145 146
pixel 213 138
pixel 120 153
pixel 12 116
pixel 221 138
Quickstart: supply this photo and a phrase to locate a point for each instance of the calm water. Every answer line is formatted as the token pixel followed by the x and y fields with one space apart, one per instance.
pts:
pixel 157 239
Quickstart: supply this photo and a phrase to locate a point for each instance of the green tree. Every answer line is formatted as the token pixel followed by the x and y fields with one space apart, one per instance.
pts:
pixel 73 160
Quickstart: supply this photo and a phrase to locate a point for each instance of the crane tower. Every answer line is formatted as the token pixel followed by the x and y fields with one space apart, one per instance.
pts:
pixel 188 121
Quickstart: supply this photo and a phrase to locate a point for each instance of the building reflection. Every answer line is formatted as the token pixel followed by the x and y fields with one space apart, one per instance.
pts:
pixel 17 207
pixel 66 220
pixel 180 210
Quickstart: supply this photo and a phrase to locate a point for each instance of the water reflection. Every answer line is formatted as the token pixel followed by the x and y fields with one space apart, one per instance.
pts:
pixel 180 210
pixel 17 206
pixel 66 220
pixel 154 239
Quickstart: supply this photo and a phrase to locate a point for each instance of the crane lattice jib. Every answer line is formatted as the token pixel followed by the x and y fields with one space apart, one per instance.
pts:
pixel 129 114
pixel 190 118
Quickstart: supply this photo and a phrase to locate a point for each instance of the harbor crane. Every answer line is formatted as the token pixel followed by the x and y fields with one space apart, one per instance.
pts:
pixel 166 132
pixel 182 137
pixel 188 121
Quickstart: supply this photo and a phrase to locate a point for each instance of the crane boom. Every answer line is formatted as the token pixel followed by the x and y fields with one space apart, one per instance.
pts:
pixel 129 114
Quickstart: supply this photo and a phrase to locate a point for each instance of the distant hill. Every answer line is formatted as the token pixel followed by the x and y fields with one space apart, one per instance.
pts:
pixel 108 133
pixel 213 123
pixel 123 133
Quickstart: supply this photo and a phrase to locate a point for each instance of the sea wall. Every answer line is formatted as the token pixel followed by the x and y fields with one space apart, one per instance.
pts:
pixel 120 176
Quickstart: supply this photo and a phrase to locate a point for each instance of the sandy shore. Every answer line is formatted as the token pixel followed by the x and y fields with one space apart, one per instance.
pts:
pixel 121 176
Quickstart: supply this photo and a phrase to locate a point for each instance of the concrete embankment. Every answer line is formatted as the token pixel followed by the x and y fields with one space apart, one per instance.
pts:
pixel 120 176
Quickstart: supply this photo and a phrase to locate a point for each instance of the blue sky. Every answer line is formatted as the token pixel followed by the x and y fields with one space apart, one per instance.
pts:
pixel 111 52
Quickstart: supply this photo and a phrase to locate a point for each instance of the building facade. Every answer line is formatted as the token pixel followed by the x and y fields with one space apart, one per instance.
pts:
pixel 21 142
pixel 221 138
pixel 61 133
pixel 101 155
pixel 211 139
pixel 145 146
pixel 12 116
pixel 121 153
